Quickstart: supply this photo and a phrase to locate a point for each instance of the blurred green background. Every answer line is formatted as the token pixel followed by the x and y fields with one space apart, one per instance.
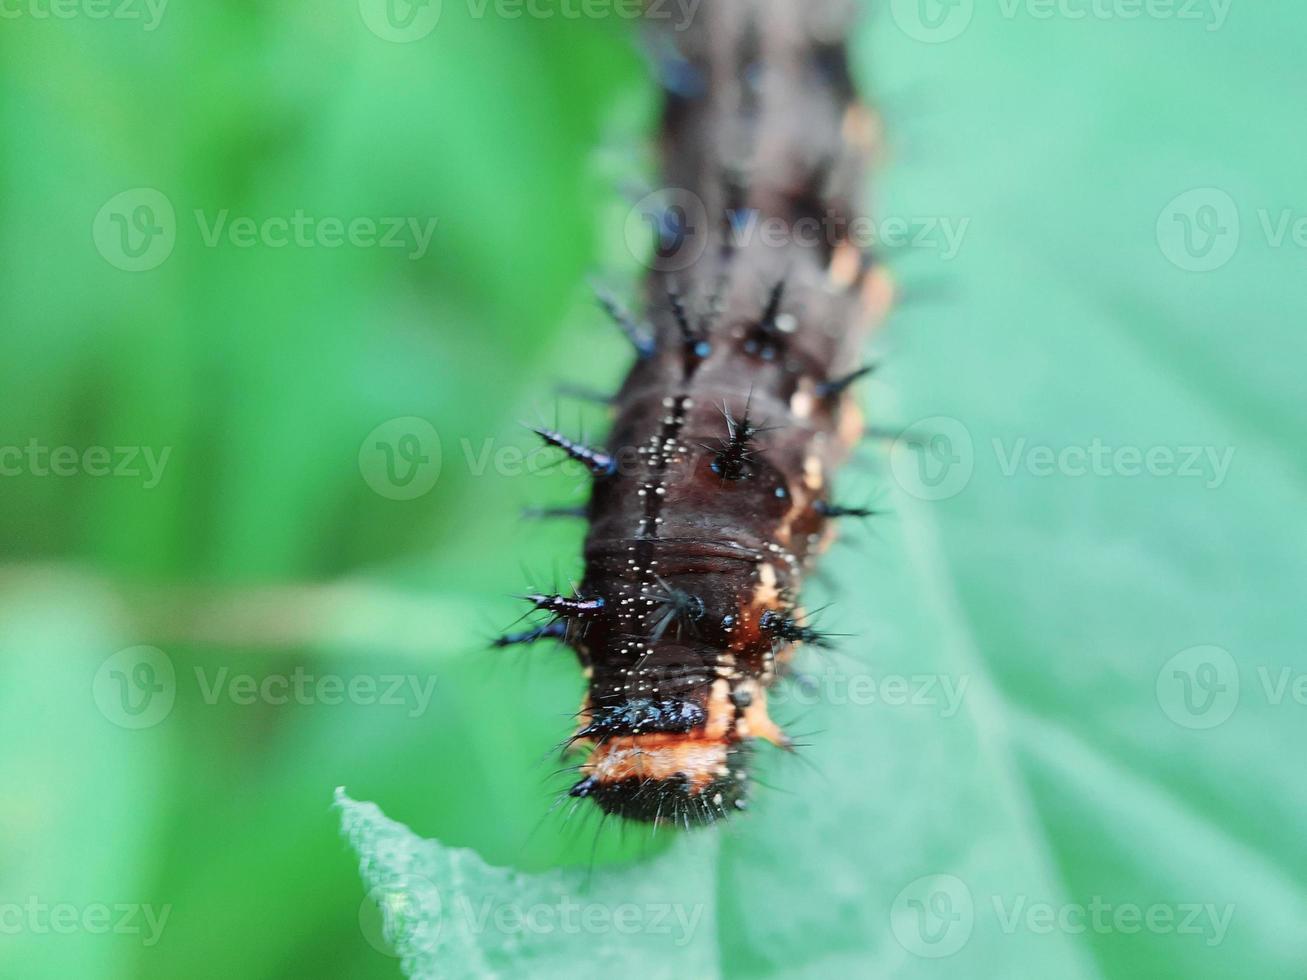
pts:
pixel 1125 191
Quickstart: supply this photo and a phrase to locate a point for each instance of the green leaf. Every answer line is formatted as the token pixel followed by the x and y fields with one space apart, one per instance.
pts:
pixel 77 767
pixel 1067 611
pixel 1070 815
pixel 448 914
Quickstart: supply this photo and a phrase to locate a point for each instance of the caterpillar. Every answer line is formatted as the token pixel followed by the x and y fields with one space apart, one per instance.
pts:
pixel 712 498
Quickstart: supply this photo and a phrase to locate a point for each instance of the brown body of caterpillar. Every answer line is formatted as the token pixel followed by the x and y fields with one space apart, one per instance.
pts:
pixel 713 497
pixel 697 602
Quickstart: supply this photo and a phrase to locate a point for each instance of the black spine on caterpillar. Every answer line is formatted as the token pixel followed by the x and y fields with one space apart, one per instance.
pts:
pixel 696 552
